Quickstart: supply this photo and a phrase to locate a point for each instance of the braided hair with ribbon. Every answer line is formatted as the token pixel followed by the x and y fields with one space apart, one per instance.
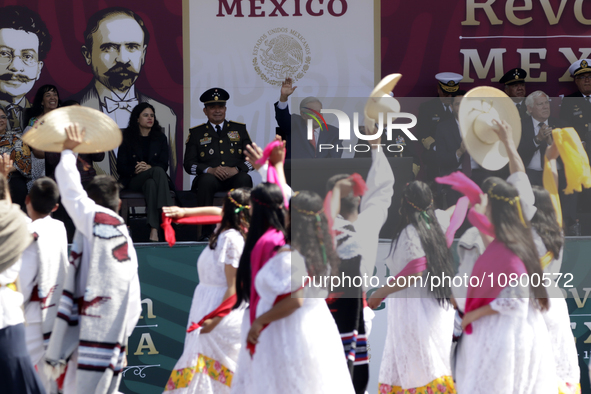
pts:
pixel 513 230
pixel 235 214
pixel 417 210
pixel 310 235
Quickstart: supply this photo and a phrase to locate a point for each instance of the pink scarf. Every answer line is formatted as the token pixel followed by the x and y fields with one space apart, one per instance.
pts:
pixel 263 250
pixel 272 176
pixel 497 259
pixel 461 183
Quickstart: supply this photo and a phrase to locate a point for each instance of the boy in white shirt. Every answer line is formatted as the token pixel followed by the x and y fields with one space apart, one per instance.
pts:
pixel 43 269
pixel 101 303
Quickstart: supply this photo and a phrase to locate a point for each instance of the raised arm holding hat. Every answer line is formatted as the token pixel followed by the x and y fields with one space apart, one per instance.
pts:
pixel 215 150
pixel 514 85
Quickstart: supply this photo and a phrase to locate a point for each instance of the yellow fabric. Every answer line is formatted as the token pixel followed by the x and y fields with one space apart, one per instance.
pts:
pixel 546 259
pixel 444 384
pixel 575 159
pixel 11 286
pixel 569 388
pixel 552 188
pixel 181 378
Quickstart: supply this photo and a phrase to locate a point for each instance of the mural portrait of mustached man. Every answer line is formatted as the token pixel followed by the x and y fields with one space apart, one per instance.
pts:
pixel 107 55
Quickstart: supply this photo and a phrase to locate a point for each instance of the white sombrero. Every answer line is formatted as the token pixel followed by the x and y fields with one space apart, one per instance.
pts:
pixel 380 101
pixel 49 134
pixel 477 110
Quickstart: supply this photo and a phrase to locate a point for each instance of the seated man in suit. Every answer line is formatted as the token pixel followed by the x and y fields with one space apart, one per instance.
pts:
pixel 451 154
pixel 296 129
pixel 536 136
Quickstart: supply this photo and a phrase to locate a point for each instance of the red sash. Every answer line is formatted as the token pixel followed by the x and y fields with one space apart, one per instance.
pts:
pixel 251 346
pixel 169 231
pixel 224 309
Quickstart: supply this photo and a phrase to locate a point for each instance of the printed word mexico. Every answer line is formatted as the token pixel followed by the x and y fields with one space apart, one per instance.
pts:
pixel 345 130
pixel 262 8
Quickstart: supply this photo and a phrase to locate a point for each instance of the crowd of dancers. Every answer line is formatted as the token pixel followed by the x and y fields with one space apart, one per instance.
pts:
pixel 255 324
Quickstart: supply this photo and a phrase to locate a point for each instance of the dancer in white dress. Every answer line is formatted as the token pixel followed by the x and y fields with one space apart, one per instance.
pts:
pixel 420 321
pixel 505 347
pixel 209 359
pixel 300 351
pixel 549 241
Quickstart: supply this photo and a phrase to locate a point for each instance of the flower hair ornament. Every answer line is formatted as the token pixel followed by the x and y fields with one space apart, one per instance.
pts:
pixel 512 201
pixel 318 230
pixel 422 213
pixel 239 207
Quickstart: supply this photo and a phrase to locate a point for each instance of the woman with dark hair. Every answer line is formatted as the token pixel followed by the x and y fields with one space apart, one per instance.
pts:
pixel 297 342
pixel 266 235
pixel 46 100
pixel 505 347
pixel 142 162
pixel 420 318
pixel 549 240
pixel 213 336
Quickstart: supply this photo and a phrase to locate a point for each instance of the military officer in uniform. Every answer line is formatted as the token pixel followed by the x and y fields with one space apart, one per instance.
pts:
pixel 215 150
pixel 431 113
pixel 514 84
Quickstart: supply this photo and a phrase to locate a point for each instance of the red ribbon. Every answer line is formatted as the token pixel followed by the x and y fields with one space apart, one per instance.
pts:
pixel 251 346
pixel 196 220
pixel 223 310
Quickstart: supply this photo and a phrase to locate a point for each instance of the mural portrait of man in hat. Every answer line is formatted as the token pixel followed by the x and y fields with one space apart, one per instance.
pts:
pixel 115 45
pixel 24 43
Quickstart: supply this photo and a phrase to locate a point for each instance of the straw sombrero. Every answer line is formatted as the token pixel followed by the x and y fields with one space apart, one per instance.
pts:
pixel 49 134
pixel 380 101
pixel 477 110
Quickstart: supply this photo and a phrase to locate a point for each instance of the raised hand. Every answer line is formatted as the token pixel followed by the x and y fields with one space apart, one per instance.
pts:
pixel 286 89
pixel 74 136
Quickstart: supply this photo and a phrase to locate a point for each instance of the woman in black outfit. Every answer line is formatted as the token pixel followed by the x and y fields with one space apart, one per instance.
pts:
pixel 142 162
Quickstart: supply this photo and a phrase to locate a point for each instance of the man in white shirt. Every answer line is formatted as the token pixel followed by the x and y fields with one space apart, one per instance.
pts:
pixel 536 136
pixel 43 270
pixel 357 226
pixel 101 303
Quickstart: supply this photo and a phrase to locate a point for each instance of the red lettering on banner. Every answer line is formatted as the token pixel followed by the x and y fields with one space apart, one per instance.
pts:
pixel 279 7
pixel 282 8
pixel 236 4
pixel 309 8
pixel 297 8
pixel 331 7
pixel 254 7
